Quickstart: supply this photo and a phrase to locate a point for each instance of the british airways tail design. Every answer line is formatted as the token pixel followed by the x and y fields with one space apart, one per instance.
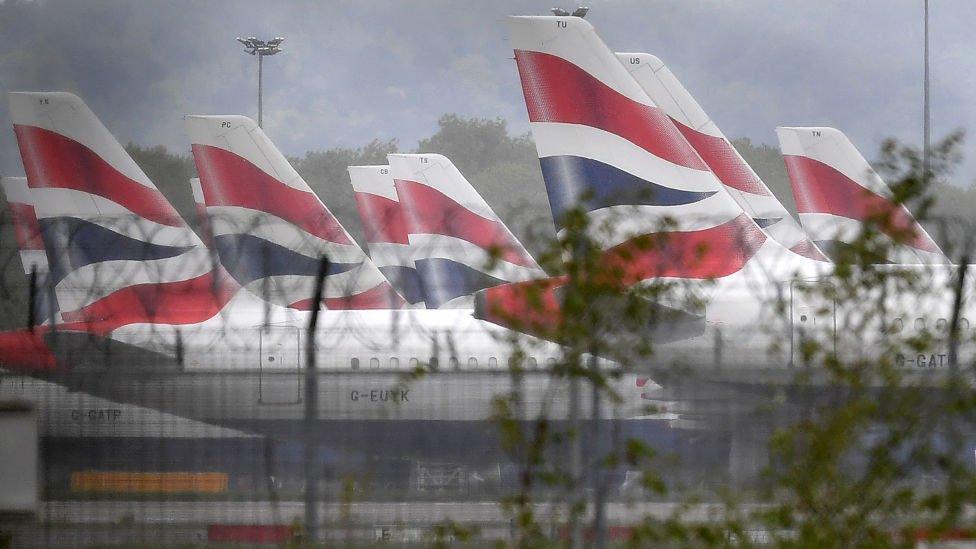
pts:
pixel 607 148
pixel 386 232
pixel 837 191
pixel 270 229
pixel 739 179
pixel 461 244
pixel 118 252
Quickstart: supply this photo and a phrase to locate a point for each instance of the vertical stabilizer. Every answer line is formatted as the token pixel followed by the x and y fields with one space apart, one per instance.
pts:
pixel 381 215
pixel 608 151
pixel 460 244
pixel 607 148
pixel 739 179
pixel 270 229
pixel 837 191
pixel 118 252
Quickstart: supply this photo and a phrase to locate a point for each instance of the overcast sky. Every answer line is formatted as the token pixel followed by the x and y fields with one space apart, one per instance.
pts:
pixel 358 70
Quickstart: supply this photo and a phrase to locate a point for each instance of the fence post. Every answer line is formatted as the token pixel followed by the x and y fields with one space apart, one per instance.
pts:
pixel 596 461
pixel 32 300
pixel 311 410
pixel 956 312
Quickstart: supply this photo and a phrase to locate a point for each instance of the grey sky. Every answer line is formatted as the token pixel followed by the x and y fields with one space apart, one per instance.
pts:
pixel 354 71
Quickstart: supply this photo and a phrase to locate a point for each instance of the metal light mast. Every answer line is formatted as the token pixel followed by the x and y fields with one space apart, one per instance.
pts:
pixel 925 101
pixel 260 48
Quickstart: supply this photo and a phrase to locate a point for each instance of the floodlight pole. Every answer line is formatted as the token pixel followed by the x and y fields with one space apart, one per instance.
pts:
pixel 260 78
pixel 926 130
pixel 261 48
pixel 311 409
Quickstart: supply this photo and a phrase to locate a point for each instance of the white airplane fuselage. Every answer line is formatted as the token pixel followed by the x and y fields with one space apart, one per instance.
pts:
pixel 247 370
pixel 243 369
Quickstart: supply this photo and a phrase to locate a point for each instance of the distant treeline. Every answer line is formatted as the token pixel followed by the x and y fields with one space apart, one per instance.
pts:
pixel 502 166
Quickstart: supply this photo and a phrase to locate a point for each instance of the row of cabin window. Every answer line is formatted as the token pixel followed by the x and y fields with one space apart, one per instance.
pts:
pixel 453 362
pixel 941 324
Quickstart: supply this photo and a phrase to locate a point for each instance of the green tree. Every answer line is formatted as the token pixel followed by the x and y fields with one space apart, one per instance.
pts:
pixel 171 173
pixel 502 167
pixel 865 451
pixel 767 162
pixel 477 144
pixel 325 171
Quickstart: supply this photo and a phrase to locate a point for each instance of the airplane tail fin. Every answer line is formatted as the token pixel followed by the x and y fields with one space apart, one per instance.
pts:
pixel 608 151
pixel 386 232
pixel 746 187
pixel 270 230
pixel 605 147
pixel 837 191
pixel 460 244
pixel 118 252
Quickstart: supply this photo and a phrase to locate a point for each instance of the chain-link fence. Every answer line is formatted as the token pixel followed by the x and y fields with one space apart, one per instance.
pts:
pixel 414 425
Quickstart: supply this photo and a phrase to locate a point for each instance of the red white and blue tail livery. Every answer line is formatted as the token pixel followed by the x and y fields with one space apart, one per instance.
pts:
pixel 739 179
pixel 837 191
pixel 461 245
pixel 270 229
pixel 605 147
pixel 118 252
pixel 381 215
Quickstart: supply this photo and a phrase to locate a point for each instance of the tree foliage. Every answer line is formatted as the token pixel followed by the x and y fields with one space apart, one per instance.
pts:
pixel 874 462
pixel 768 164
pixel 325 171
pixel 502 167
pixel 170 172
pixel 864 448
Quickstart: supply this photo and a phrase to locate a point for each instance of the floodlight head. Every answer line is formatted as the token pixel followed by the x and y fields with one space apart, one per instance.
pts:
pixel 249 47
pixel 581 11
pixel 253 46
pixel 560 12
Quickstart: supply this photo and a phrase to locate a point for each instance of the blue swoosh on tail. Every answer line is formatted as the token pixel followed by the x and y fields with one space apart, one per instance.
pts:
pixel 444 280
pixel 73 243
pixel 248 258
pixel 406 280
pixel 573 181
